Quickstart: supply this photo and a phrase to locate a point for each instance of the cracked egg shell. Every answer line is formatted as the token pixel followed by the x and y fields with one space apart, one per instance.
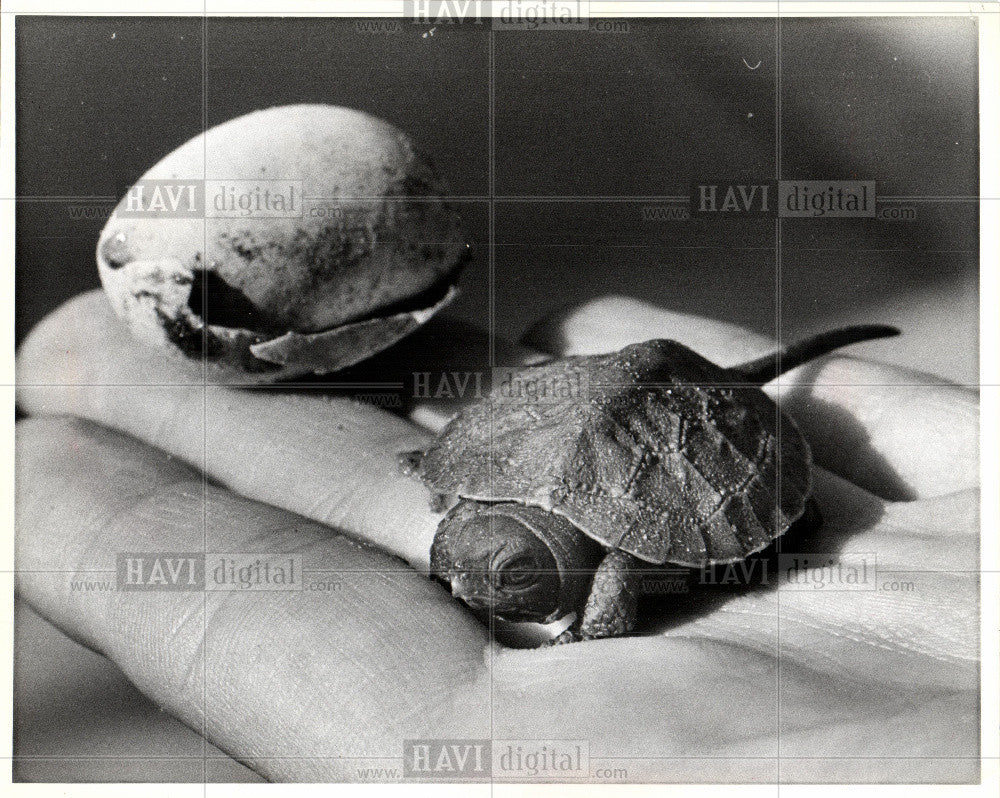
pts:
pixel 292 240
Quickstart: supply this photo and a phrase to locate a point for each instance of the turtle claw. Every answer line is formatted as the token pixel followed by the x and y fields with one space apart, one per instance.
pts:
pixel 408 463
pixel 440 502
pixel 569 636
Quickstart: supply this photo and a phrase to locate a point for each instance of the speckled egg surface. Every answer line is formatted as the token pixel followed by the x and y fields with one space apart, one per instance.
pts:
pixel 295 239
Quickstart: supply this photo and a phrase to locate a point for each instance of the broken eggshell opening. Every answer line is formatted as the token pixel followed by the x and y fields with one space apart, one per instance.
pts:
pixel 292 240
pixel 157 299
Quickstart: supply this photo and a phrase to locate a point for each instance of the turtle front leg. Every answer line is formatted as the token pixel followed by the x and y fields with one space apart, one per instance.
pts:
pixel 613 603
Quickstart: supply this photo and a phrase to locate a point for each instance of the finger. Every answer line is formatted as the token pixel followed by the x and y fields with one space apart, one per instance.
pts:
pixel 78 719
pixel 884 591
pixel 293 682
pixel 326 450
pixel 612 322
pixel 326 457
pixel 900 434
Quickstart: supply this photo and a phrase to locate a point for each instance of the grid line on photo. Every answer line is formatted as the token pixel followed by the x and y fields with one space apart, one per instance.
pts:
pixel 407 570
pixel 491 342
pixel 203 650
pixel 602 757
pixel 779 336
pixel 367 399
pixel 506 198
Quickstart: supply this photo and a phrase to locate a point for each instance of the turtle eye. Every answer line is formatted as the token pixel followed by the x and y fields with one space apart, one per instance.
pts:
pixel 517 573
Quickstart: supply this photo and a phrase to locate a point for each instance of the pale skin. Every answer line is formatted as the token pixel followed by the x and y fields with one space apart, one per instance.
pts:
pixel 845 685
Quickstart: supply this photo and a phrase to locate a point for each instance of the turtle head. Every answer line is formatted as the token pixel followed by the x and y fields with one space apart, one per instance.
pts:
pixel 516 562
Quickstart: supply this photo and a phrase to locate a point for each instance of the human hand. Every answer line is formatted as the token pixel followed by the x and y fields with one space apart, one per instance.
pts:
pixel 312 686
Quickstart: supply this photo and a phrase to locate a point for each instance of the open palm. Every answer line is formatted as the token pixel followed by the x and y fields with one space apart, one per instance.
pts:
pixel 779 678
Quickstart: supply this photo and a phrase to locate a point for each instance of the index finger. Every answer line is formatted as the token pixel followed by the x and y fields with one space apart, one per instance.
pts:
pixel 326 457
pixel 324 450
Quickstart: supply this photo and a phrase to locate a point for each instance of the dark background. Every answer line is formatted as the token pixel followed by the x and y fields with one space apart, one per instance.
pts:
pixel 628 114
pixel 576 114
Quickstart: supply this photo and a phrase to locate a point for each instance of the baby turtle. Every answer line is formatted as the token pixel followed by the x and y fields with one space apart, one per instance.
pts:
pixel 573 477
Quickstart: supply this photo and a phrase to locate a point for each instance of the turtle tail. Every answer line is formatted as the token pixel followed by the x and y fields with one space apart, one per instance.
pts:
pixel 766 368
